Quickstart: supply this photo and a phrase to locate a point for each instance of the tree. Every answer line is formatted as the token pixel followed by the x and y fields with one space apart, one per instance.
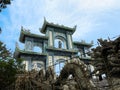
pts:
pixel 0 30
pixel 4 3
pixel 107 57
pixel 9 67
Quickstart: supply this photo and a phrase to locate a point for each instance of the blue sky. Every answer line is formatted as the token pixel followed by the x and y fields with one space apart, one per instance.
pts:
pixel 94 18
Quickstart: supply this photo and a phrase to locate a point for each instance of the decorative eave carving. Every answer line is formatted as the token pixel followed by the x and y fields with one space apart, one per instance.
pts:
pixel 19 52
pixel 46 23
pixel 26 33
pixel 83 43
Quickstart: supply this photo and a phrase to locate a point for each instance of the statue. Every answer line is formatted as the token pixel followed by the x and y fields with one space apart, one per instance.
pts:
pixel 35 66
pixel 59 44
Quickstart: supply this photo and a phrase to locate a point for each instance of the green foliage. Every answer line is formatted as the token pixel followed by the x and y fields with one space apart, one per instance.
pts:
pixel 4 3
pixel 9 66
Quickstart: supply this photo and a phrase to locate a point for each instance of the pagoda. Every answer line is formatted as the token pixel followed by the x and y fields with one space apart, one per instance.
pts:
pixel 51 49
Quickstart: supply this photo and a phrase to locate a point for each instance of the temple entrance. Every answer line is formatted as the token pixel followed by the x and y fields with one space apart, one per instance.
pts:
pixel 59 64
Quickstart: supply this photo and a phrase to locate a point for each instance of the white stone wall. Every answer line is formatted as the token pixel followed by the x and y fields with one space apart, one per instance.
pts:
pixel 26 63
pixel 50 38
pixel 28 45
pixel 61 57
pixel 70 42
pixel 50 61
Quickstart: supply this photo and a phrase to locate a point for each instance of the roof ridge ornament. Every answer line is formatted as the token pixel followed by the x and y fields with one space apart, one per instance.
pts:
pixel 25 30
pixel 92 42
pixel 45 19
pixel 56 25
pixel 75 26
pixel 17 46
pixel 22 28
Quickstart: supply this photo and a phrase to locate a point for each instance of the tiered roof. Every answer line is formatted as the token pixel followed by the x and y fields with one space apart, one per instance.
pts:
pixel 46 23
pixel 83 44
pixel 25 33
pixel 19 52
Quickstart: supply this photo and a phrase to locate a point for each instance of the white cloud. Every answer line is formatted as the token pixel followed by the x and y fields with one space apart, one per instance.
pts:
pixel 31 13
pixel 83 13
pixel 96 5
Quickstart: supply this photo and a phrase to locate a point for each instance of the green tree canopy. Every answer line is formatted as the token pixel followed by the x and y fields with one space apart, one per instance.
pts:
pixel 9 66
pixel 4 3
pixel 107 57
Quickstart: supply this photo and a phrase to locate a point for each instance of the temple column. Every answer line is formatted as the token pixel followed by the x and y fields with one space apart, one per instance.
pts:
pixel 50 38
pixel 26 62
pixel 70 46
pixel 50 61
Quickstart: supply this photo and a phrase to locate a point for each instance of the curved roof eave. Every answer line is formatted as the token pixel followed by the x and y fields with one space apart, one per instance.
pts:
pixel 45 24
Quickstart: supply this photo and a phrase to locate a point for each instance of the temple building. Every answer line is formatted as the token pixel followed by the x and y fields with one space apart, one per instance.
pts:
pixel 51 49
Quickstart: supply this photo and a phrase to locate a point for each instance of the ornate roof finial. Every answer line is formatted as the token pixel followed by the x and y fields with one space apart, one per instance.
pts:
pixel 45 19
pixel 17 46
pixel 109 39
pixel 92 42
pixel 22 28
pixel 75 26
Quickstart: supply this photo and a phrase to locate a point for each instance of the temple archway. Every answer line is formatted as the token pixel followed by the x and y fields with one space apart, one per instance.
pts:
pixel 79 73
pixel 37 49
pixel 60 42
pixel 59 64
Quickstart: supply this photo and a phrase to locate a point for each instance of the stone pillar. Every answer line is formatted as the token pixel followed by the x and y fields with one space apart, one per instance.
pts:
pixel 50 61
pixel 43 47
pixel 69 39
pixel 26 64
pixel 50 38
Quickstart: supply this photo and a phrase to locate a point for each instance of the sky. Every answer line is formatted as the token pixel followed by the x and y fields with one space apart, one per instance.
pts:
pixel 94 18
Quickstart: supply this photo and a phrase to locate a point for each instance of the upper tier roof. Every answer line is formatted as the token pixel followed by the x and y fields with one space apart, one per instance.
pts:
pixel 26 33
pixel 19 52
pixel 82 44
pixel 46 23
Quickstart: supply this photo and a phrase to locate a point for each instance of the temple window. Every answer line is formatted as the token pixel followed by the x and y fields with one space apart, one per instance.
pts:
pixel 28 45
pixel 37 49
pixel 60 43
pixel 59 64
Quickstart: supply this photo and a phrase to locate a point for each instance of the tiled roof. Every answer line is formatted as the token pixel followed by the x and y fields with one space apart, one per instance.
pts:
pixel 82 43
pixel 25 33
pixel 61 50
pixel 19 52
pixel 46 23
